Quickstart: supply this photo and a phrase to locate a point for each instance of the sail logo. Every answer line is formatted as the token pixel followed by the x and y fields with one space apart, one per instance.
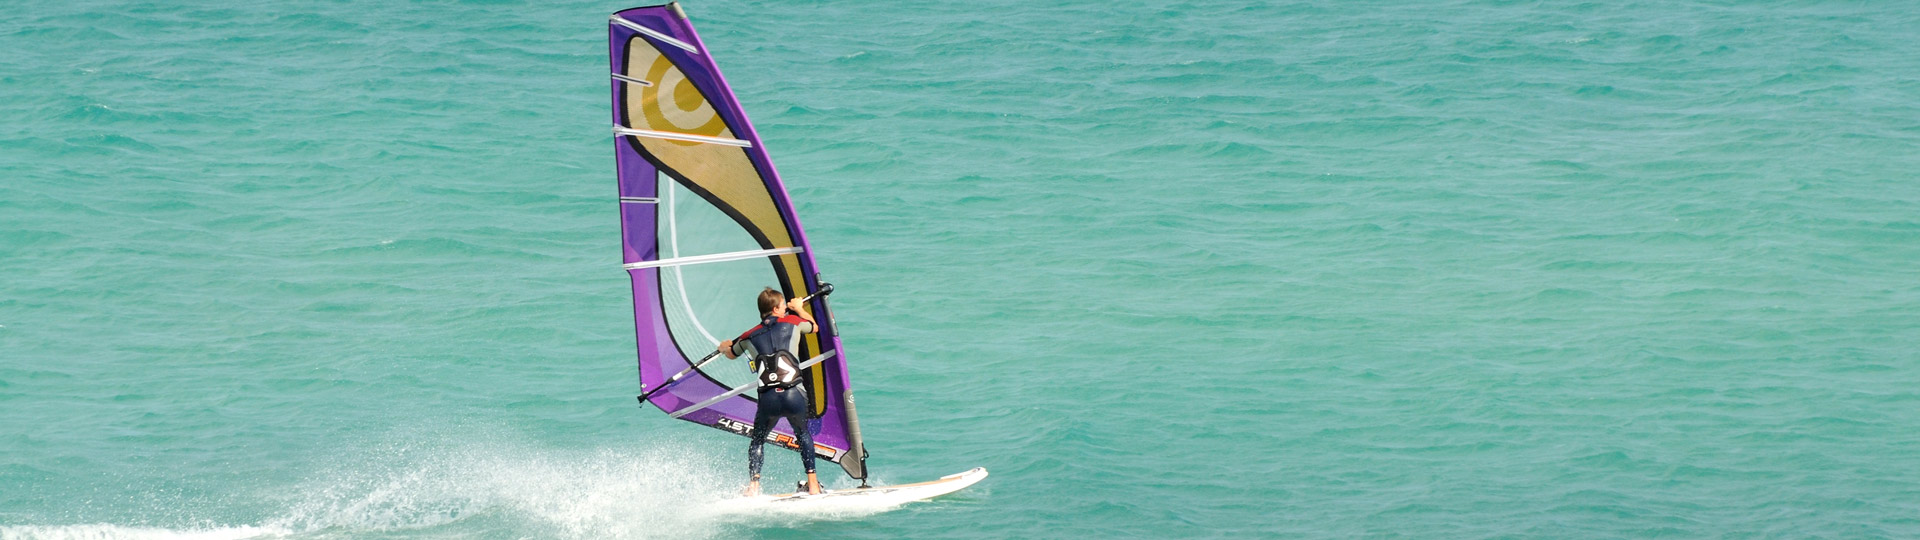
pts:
pixel 735 426
pixel 673 103
pixel 781 439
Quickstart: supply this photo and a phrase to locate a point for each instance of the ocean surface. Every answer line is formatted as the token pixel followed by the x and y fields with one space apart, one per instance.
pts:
pixel 1453 269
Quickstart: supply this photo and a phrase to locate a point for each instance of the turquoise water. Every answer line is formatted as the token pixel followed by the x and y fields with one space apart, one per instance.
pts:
pixel 1227 269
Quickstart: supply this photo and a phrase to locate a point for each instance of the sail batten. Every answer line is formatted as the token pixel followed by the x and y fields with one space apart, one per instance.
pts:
pixel 655 34
pixel 689 137
pixel 706 223
pixel 624 78
pixel 717 257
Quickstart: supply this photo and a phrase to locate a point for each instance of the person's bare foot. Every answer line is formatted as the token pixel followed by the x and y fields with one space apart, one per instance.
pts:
pixel 753 489
pixel 813 484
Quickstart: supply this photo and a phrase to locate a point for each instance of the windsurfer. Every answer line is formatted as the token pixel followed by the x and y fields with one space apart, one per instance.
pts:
pixel 772 343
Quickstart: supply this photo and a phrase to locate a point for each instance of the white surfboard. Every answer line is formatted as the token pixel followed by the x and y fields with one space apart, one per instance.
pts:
pixel 859 499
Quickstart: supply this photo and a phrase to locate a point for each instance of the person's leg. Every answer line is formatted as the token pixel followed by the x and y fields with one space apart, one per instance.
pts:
pixel 756 455
pixel 805 437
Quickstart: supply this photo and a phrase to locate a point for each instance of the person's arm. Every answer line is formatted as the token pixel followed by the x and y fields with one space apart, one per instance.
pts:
pixel 799 307
pixel 726 348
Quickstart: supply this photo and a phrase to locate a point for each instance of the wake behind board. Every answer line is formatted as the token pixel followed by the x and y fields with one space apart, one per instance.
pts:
pixel 854 500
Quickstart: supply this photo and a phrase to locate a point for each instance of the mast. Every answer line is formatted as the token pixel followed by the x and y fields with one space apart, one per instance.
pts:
pixel 856 465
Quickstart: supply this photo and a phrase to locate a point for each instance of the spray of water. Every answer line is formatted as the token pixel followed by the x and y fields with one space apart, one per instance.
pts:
pixel 493 489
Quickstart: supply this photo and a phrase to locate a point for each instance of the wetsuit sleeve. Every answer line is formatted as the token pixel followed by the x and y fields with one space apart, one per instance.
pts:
pixel 740 343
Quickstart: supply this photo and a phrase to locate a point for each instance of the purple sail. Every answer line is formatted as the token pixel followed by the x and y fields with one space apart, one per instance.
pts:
pixel 706 223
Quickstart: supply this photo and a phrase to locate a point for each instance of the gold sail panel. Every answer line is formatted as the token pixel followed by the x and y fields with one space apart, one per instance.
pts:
pixel 672 103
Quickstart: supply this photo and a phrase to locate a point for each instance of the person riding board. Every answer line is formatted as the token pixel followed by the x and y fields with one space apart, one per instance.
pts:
pixel 781 395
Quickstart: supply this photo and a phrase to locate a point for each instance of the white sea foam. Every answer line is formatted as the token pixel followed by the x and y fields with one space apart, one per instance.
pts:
pixel 598 494
pixel 488 490
pixel 118 532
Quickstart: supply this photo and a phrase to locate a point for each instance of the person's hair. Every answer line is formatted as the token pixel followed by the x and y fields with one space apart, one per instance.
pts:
pixel 770 299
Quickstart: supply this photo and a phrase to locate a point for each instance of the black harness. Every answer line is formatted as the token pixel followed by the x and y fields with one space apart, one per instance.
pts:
pixel 779 368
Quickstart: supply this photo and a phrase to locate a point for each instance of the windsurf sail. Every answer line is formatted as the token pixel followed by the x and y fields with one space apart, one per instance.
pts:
pixel 705 224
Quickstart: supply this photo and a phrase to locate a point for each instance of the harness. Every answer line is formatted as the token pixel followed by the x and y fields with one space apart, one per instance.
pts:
pixel 778 369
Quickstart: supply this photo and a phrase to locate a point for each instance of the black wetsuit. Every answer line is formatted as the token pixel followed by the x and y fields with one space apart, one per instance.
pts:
pixel 775 403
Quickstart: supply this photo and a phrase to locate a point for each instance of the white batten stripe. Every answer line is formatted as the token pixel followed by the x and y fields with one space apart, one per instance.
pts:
pixel 655 34
pixel 640 200
pixel 624 78
pixel 714 258
pixel 648 133
pixel 742 389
